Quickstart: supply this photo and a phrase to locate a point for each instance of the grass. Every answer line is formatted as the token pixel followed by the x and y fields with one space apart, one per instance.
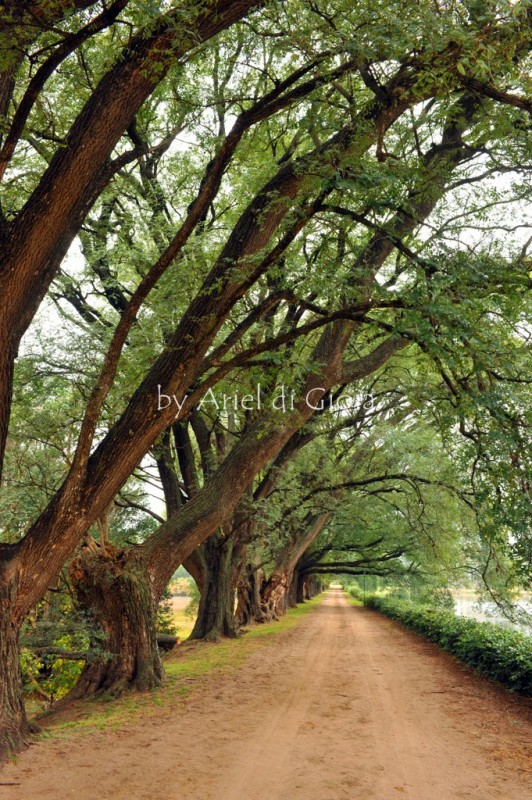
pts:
pixel 352 600
pixel 185 670
pixel 183 623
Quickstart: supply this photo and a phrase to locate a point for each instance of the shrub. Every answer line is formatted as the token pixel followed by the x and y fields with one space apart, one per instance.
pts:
pixel 356 592
pixel 165 615
pixel 495 652
pixel 191 611
pixel 57 638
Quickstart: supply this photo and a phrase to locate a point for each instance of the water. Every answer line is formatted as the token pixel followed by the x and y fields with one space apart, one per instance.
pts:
pixel 488 612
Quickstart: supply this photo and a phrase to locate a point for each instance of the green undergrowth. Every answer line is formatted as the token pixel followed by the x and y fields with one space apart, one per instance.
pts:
pixel 185 669
pixel 495 652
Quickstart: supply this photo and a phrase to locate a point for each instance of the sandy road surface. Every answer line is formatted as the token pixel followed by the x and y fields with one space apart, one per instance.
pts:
pixel 347 705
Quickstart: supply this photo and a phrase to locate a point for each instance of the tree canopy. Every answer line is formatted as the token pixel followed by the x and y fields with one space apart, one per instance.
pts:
pixel 224 200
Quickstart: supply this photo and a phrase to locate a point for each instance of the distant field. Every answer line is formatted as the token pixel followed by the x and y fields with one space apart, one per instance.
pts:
pixel 183 623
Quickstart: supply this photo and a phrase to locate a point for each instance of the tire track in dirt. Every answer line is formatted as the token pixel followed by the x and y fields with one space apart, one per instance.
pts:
pixel 260 766
pixel 346 705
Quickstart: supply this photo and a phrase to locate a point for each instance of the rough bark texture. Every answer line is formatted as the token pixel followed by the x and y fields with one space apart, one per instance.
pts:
pixel 113 585
pixel 249 587
pixel 14 728
pixel 308 586
pixel 274 598
pixel 281 589
pixel 216 617
pixel 291 599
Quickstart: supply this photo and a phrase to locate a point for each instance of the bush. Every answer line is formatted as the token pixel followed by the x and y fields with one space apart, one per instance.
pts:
pixel 356 592
pixel 495 652
pixel 165 615
pixel 191 611
pixel 57 639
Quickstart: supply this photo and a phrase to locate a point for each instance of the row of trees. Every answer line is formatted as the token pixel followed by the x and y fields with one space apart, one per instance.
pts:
pixel 202 199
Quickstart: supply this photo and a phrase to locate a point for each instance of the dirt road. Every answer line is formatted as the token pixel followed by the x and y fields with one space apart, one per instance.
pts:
pixel 347 705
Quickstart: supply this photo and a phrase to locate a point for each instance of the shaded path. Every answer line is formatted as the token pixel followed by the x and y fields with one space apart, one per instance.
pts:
pixel 346 705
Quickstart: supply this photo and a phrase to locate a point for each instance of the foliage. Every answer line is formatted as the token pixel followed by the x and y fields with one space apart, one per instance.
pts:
pixel 165 615
pixel 181 587
pixel 185 670
pixel 497 653
pixel 356 592
pixel 49 678
pixel 403 220
pixel 191 611
pixel 438 596
pixel 57 640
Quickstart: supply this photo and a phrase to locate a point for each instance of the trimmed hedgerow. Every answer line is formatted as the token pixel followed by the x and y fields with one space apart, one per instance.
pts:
pixel 497 653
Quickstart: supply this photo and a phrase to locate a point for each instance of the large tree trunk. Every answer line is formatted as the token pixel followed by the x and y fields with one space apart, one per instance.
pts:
pixel 281 588
pixel 114 587
pixel 308 586
pixel 274 599
pixel 291 599
pixel 216 617
pixel 14 728
pixel 302 588
pixel 249 587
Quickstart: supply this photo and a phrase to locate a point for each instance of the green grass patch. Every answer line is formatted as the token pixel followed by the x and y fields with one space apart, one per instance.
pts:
pixel 185 670
pixel 183 623
pixel 495 652
pixel 353 601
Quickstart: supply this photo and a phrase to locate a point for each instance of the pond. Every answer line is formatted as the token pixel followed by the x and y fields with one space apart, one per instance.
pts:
pixel 467 606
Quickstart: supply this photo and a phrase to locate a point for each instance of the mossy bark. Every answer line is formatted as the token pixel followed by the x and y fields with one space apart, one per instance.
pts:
pixel 14 727
pixel 114 587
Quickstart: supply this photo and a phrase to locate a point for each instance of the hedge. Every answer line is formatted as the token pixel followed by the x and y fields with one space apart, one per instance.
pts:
pixel 495 652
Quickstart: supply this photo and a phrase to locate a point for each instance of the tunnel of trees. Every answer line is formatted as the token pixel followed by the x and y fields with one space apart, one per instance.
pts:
pixel 263 272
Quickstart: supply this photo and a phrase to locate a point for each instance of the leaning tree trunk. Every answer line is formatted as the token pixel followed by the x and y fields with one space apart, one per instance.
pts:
pixel 281 588
pixel 216 616
pixel 14 727
pixel 113 586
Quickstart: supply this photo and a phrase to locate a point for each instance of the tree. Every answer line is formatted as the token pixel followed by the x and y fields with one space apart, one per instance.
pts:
pixel 155 561
pixel 337 174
